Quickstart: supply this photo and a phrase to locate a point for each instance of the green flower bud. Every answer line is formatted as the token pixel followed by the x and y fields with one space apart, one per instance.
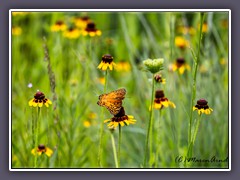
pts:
pixel 154 65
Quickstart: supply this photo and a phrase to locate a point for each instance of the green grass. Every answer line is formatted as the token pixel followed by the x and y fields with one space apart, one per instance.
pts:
pixel 135 37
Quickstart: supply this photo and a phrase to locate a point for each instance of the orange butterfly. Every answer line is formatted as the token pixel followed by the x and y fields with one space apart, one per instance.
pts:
pixel 113 100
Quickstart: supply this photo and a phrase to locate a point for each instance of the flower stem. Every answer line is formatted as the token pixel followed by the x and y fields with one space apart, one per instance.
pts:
pixel 194 81
pixel 101 128
pixel 114 150
pixel 158 139
pixel 196 129
pixel 36 137
pixel 119 144
pixel 149 133
pixel 190 147
pixel 33 129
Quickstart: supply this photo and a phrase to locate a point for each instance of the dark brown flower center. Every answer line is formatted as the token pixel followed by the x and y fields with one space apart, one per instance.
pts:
pixel 85 18
pixel 41 147
pixel 107 58
pixel 120 116
pixel 39 95
pixel 59 23
pixel 71 29
pixel 159 100
pixel 158 78
pixel 180 62
pixel 91 27
pixel 159 94
pixel 202 104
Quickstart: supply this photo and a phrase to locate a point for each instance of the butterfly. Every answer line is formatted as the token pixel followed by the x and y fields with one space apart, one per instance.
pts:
pixel 113 100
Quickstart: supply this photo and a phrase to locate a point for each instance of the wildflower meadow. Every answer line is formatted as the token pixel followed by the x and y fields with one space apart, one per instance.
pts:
pixel 119 89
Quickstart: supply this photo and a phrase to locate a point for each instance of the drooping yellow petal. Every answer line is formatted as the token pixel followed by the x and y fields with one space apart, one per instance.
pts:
pixel 48 152
pixel 165 103
pixel 107 120
pixel 30 103
pixel 181 69
pixel 110 66
pixel 121 123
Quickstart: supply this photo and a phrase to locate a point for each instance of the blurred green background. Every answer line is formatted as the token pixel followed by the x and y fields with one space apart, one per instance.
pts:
pixel 70 126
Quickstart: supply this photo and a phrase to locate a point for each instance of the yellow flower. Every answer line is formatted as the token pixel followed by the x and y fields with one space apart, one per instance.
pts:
pixel 107 62
pixel 72 33
pixel 87 124
pixel 223 62
pixel 81 22
pixel 180 65
pixel 187 30
pixel 123 66
pixel 181 42
pixel 91 30
pixel 102 80
pixel 202 107
pixel 158 78
pixel 41 149
pixel 161 101
pixel 73 82
pixel 120 119
pixel 205 27
pixel 58 26
pixel 38 100
pixel 18 13
pixel 16 30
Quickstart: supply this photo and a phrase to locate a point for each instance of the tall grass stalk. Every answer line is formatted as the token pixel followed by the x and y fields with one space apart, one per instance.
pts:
pixel 196 63
pixel 149 131
pixel 101 128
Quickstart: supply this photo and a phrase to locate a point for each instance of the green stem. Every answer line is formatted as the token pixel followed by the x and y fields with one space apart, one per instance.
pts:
pixel 36 137
pixel 190 147
pixel 33 129
pixel 119 144
pixel 196 129
pixel 194 81
pixel 101 128
pixel 149 127
pixel 158 139
pixel 114 150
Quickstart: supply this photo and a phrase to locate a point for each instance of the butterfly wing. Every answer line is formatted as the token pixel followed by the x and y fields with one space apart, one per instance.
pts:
pixel 113 100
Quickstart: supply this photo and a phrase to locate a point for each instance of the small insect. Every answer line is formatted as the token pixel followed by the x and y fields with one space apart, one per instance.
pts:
pixel 113 100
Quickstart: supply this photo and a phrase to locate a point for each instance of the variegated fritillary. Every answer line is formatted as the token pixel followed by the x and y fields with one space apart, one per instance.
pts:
pixel 113 100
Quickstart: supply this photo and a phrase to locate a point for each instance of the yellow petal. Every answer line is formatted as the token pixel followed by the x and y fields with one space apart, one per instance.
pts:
pixel 35 104
pixel 49 102
pixel 107 120
pixel 130 116
pixel 30 103
pixel 40 104
pixel 111 67
pixel 165 103
pixel 100 65
pixel 33 151
pixel 48 152
pixel 126 121
pixel 174 67
pixel 115 124
pixel 121 123
pixel 181 69
pixel 105 66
